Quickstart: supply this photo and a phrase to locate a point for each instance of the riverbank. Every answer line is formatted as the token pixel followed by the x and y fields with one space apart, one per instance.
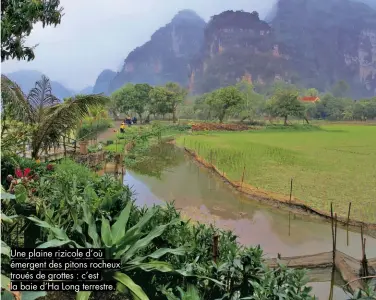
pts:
pixel 333 164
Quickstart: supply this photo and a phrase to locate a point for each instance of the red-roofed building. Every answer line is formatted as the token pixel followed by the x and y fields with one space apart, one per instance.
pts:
pixel 309 99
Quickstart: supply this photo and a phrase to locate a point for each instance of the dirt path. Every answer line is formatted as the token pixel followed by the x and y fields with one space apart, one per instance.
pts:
pixel 109 133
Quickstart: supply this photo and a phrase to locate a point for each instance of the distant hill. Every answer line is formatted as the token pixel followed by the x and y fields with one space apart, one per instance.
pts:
pixel 165 57
pixel 103 81
pixel 26 79
pixel 86 91
pixel 309 43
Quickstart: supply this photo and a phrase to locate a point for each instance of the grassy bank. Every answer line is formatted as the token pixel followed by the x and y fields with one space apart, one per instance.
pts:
pixel 328 164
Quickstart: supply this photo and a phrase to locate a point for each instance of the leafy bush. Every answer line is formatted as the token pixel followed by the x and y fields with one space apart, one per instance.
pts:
pixel 10 163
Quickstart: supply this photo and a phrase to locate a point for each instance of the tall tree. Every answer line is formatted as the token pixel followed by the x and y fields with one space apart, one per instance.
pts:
pixel 223 100
pixel 176 95
pixel 141 98
pixel 132 97
pixel 285 103
pixel 123 98
pixel 51 119
pixel 17 20
pixel 253 102
pixel 159 101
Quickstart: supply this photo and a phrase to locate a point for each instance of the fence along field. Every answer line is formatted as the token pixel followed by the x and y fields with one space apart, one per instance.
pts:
pixel 335 164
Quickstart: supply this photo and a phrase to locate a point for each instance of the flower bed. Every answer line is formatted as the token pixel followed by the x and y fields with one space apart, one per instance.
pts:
pixel 217 126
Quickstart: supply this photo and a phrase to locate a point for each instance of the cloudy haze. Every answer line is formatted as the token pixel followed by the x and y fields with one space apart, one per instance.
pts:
pixel 96 35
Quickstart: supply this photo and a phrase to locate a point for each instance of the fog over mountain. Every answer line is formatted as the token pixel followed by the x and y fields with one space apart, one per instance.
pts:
pixel 77 51
pixel 93 36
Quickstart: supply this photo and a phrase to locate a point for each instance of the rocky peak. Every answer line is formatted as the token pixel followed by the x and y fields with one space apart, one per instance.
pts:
pixel 236 44
pixel 328 41
pixel 165 57
pixel 186 15
pixel 103 81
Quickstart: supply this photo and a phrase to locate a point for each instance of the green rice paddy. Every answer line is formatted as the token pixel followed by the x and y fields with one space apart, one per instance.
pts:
pixel 335 163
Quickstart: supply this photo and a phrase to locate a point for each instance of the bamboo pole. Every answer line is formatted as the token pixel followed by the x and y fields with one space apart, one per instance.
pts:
pixel 243 177
pixel 215 247
pixel 334 237
pixel 364 257
pixel 290 205
pixel 348 221
pixel 332 222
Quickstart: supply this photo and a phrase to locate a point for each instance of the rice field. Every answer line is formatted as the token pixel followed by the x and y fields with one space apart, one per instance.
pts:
pixel 335 163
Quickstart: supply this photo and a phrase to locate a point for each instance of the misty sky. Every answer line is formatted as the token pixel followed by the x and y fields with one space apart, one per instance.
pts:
pixel 96 35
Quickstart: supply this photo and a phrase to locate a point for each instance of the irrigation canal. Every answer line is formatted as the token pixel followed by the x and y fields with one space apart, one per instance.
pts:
pixel 202 196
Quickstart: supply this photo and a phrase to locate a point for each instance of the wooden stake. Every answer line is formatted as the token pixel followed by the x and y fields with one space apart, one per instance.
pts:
pixel 364 257
pixel 332 220
pixel 335 237
pixel 243 177
pixel 290 204
pixel 215 247
pixel 332 283
pixel 348 222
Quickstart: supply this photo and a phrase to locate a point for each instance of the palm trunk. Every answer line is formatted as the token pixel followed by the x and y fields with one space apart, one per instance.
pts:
pixel 65 147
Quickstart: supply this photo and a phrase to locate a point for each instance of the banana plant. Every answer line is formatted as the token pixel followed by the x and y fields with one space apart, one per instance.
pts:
pixel 118 243
pixel 7 294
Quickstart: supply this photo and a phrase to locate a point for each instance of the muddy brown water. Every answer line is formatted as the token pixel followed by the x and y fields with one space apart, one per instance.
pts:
pixel 202 196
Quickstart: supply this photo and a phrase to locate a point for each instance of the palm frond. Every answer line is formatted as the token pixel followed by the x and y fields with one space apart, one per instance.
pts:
pixel 13 100
pixel 63 118
pixel 41 97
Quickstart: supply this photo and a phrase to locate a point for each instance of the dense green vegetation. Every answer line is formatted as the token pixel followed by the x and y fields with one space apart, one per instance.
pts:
pixel 162 256
pixel 243 102
pixel 154 241
pixel 324 163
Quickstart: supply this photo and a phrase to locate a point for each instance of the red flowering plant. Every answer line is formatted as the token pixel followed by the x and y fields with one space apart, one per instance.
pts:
pixel 24 182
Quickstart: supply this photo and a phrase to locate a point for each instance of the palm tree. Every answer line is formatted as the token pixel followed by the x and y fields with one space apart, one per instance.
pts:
pixel 51 118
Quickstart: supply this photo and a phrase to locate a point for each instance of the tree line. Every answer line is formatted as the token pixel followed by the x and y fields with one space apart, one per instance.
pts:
pixel 144 99
pixel 243 101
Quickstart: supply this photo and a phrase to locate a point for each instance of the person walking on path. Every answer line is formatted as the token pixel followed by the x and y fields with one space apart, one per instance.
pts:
pixel 128 121
pixel 122 127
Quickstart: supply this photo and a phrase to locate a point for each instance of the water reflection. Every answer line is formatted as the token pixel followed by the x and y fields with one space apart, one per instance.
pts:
pixel 156 160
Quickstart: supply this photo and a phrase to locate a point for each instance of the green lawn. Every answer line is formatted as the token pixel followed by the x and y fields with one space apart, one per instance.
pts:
pixel 336 164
